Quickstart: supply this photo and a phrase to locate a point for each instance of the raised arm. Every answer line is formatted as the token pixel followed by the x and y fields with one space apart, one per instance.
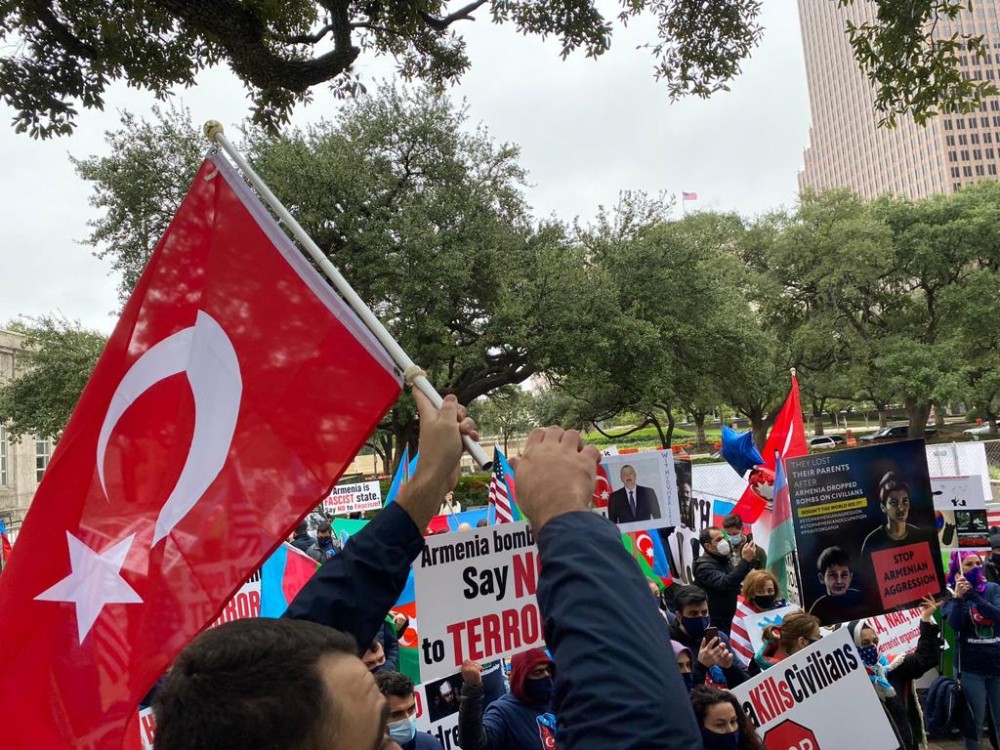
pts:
pixel 617 684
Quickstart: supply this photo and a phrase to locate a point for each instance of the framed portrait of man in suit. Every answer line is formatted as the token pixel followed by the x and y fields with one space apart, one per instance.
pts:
pixel 643 490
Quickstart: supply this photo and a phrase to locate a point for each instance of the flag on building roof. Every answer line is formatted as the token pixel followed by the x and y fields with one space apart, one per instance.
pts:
pixel 502 499
pixel 234 391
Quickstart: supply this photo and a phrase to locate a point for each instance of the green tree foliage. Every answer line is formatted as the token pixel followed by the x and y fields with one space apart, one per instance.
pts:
pixel 423 215
pixel 506 413
pixel 58 358
pixel 61 55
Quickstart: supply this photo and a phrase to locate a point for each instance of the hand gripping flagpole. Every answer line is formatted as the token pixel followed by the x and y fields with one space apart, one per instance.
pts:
pixel 414 376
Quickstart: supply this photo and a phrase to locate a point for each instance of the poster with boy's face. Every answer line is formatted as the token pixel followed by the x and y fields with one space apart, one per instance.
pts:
pixel 865 530
pixel 643 490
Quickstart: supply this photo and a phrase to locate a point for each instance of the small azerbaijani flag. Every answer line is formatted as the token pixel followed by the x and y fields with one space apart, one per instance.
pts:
pixel 5 546
pixel 503 501
pixel 647 549
pixel 689 196
pixel 782 539
pixel 282 575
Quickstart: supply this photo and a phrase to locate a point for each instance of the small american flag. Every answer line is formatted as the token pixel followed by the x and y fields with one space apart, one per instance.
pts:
pixel 992 515
pixel 499 495
pixel 689 196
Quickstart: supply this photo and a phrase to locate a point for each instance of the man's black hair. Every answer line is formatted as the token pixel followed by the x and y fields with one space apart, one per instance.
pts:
pixel 705 537
pixel 832 556
pixel 687 596
pixel 324 527
pixel 302 529
pixel 249 683
pixel 394 683
pixel 733 519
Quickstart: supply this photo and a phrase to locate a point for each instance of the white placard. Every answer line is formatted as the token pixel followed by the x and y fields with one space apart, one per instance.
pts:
pixel 245 602
pixel 960 513
pixel 437 710
pixel 475 591
pixel 353 498
pixel 147 728
pixel 755 624
pixel 820 697
pixel 655 490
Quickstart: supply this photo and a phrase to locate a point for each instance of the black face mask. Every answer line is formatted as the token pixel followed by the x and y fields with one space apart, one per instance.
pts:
pixel 325 541
pixel 765 602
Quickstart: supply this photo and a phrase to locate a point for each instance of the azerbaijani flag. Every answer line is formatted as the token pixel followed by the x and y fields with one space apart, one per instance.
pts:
pixel 282 575
pixel 782 539
pixel 403 473
pixel 5 546
pixel 647 549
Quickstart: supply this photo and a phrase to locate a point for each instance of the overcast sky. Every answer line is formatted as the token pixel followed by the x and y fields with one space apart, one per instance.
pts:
pixel 587 130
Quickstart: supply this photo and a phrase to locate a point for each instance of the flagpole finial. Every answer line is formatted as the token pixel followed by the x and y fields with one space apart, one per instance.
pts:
pixel 212 128
pixel 792 370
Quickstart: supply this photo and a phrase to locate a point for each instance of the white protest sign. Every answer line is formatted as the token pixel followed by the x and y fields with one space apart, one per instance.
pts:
pixel 353 498
pixel 803 700
pixel 755 624
pixel 898 632
pixel 475 593
pixel 245 602
pixel 643 490
pixel 437 709
pixel 960 512
pixel 147 728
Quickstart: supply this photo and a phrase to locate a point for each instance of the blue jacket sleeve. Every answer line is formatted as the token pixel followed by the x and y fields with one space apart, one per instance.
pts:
pixel 355 590
pixel 617 683
pixel 989 602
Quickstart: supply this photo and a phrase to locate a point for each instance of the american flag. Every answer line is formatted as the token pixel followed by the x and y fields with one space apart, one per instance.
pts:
pixel 992 515
pixel 689 196
pixel 500 494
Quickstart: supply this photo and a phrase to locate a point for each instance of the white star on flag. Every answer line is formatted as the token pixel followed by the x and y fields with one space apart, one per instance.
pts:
pixel 94 581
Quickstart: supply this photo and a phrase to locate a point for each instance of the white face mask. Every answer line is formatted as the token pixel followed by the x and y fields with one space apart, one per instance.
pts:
pixel 723 548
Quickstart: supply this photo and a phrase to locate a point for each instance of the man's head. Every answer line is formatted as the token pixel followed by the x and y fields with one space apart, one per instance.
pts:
pixel 732 526
pixel 374 657
pixel 302 529
pixel 692 610
pixel 714 541
pixel 324 534
pixel 894 498
pixel 532 674
pixel 402 704
pixel 628 477
pixel 834 566
pixel 282 684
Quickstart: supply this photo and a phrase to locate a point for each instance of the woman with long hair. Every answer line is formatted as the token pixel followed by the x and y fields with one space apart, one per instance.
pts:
pixel 796 631
pixel 723 723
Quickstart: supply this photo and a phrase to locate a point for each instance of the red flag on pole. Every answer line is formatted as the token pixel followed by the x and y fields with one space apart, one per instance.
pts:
pixel 787 439
pixel 233 393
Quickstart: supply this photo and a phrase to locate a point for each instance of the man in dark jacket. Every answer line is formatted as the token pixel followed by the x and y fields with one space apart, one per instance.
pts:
pixel 613 692
pixel 520 720
pixel 304 542
pixel 713 573
pixel 715 657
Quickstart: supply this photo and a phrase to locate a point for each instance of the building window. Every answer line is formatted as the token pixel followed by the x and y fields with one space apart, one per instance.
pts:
pixel 949 140
pixel 991 168
pixel 955 186
pixel 995 105
pixel 956 172
pixel 43 451
pixel 965 155
pixel 967 171
pixel 3 456
pixel 977 153
pixel 979 170
pixel 974 138
pixel 989 153
pixel 948 124
pixel 960 123
pixel 963 140
pixel 987 137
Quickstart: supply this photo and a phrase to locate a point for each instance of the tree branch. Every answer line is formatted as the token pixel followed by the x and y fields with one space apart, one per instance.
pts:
pixel 462 14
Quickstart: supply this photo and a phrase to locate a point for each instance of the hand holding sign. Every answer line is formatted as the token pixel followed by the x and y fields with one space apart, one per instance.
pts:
pixel 441 432
pixel 472 672
pixel 555 475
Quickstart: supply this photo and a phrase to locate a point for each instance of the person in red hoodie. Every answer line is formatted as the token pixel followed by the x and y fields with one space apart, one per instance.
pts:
pixel 520 720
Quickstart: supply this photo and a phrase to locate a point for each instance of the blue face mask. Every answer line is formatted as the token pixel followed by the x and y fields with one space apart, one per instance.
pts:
pixel 539 692
pixel 404 730
pixel 712 741
pixel 869 655
pixel 695 626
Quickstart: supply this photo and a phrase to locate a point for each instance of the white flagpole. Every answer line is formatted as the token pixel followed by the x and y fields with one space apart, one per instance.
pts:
pixel 414 376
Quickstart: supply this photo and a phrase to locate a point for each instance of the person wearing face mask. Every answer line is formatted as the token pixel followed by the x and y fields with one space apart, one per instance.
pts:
pixel 723 723
pixel 797 631
pixel 732 527
pixel 720 580
pixel 715 662
pixel 326 545
pixel 892 677
pixel 401 703
pixel 760 593
pixel 974 614
pixel 520 720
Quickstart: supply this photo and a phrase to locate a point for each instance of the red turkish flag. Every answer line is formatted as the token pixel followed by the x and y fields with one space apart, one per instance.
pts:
pixel 602 488
pixel 233 393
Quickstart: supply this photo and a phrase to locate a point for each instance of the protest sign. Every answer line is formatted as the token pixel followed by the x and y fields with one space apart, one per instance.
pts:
pixel 245 602
pixel 898 632
pixel 864 530
pixel 437 709
pixel 356 497
pixel 808 696
pixel 756 623
pixel 475 594
pixel 147 728
pixel 960 512
pixel 643 490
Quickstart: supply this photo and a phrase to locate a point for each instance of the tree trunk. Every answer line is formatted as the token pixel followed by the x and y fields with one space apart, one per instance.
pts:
pixel 938 415
pixel 659 431
pixel 671 422
pixel 992 421
pixel 758 425
pixel 818 423
pixel 917 412
pixel 883 417
pixel 699 430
